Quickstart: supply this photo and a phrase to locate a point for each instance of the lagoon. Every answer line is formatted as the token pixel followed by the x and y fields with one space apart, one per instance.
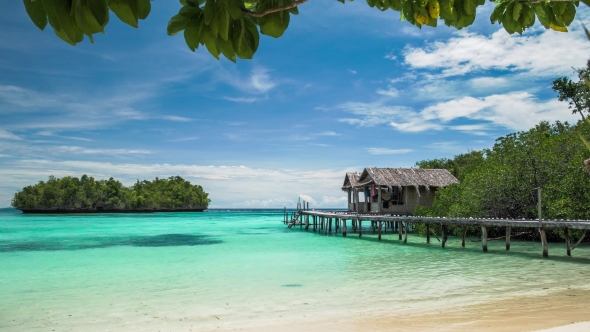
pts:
pixel 229 269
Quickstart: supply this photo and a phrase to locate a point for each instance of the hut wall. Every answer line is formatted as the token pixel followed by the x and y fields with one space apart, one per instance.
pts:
pixel 410 201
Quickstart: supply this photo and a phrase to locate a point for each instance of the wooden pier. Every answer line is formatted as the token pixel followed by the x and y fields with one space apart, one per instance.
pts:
pixel 322 221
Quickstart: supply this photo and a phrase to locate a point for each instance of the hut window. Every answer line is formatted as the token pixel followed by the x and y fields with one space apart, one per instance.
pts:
pixel 397 195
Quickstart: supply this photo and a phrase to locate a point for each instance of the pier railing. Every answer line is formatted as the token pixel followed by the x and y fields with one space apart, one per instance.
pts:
pixel 323 220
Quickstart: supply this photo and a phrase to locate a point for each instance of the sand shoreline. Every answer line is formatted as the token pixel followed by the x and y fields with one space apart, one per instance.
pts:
pixel 559 311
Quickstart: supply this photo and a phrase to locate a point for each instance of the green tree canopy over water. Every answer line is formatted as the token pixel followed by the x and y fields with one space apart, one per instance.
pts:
pixel 501 182
pixel 86 193
pixel 233 27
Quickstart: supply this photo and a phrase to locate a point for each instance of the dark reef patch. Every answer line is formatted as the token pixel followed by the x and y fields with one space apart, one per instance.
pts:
pixel 163 240
pixel 292 285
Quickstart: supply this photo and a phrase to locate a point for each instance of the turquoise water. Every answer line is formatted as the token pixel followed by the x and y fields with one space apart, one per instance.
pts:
pixel 229 269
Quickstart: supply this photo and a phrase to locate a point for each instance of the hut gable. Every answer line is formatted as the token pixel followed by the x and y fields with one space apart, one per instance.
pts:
pixel 406 177
pixel 350 180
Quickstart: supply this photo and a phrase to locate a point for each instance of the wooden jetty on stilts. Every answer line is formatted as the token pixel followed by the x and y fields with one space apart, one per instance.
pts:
pixel 404 223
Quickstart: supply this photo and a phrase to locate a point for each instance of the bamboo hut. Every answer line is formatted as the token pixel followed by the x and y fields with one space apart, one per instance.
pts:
pixel 394 190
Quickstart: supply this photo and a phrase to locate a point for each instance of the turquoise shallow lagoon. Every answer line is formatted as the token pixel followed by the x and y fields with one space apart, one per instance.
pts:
pixel 231 269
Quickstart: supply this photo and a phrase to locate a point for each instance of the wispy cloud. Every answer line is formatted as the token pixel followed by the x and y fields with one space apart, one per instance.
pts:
pixel 5 134
pixel 372 114
pixel 380 151
pixel 241 99
pixel 261 81
pixel 185 139
pixel 175 118
pixel 82 150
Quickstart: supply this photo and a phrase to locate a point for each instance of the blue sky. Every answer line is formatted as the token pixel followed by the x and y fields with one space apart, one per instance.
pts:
pixel 346 87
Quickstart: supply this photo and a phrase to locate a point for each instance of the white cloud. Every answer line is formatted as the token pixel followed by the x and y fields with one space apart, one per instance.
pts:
pixel 241 100
pixel 333 202
pixel 542 54
pixel 372 114
pixel 488 82
pixel 176 118
pixel 185 139
pixel 390 92
pixel 307 199
pixel 81 150
pixel 352 71
pixel 329 133
pixel 517 110
pixel 4 134
pixel 379 151
pixel 261 80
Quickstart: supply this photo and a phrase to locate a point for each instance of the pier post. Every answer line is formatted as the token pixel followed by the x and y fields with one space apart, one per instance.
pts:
pixel 343 227
pixel 360 228
pixel 315 221
pixel 444 234
pixel 406 236
pixel 399 228
pixel 285 215
pixel 544 242
pixel 330 225
pixel 301 222
pixel 307 222
pixel 428 233
pixel 484 238
pixel 508 232
pixel 380 223
pixel 464 235
pixel 567 241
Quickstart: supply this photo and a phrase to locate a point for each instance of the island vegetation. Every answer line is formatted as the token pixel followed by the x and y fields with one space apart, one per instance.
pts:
pixel 85 194
pixel 502 182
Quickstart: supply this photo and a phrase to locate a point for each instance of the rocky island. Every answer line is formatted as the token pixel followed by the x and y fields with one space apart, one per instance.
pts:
pixel 87 195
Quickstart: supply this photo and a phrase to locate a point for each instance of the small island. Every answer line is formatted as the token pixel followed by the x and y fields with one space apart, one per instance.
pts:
pixel 87 195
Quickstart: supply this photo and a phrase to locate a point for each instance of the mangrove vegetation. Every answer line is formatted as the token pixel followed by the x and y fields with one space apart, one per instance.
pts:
pixel 85 194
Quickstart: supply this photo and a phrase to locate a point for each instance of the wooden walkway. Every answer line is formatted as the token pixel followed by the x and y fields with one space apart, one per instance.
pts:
pixel 323 220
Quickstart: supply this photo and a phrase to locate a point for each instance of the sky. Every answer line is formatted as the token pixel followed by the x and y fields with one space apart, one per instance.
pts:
pixel 346 87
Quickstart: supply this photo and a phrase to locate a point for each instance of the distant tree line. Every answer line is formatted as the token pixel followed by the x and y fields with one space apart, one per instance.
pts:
pixel 501 182
pixel 86 193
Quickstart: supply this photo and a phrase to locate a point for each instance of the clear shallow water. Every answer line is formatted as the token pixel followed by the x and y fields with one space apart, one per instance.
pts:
pixel 232 269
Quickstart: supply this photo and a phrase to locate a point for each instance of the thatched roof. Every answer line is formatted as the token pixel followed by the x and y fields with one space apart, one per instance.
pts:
pixel 405 177
pixel 351 180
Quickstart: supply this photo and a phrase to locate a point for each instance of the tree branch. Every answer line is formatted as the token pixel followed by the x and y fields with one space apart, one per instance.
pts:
pixel 277 9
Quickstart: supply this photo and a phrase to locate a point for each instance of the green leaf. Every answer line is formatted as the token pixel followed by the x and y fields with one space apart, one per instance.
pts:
pixel 176 24
pixel 99 9
pixel 272 24
pixel 190 11
pixel 222 19
pixel 235 9
pixel 516 10
pixel 209 8
pixel 227 48
pixel 542 14
pixel 36 13
pixel 469 7
pixel 210 43
pixel 498 11
pixel 124 12
pixel 62 12
pixel 192 33
pixel 143 9
pixel 569 13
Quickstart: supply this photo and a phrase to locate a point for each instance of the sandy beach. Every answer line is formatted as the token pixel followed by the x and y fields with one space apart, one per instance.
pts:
pixel 562 311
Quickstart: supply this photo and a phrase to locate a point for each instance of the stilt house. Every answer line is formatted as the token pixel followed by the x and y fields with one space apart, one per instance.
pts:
pixel 394 190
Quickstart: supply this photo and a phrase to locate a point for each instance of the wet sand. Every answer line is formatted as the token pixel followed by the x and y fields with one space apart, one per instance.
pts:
pixel 560 311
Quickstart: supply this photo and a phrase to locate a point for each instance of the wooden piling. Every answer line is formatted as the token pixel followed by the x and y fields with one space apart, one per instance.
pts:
pixel 463 238
pixel 508 232
pixel 330 225
pixel 343 227
pixel 379 238
pixel 360 228
pixel 443 235
pixel 484 238
pixel 307 222
pixel 399 228
pixel 566 233
pixel 544 242
pixel 427 233
pixel 406 236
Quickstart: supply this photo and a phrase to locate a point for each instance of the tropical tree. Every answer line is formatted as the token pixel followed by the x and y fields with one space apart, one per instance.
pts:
pixel 577 94
pixel 233 27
